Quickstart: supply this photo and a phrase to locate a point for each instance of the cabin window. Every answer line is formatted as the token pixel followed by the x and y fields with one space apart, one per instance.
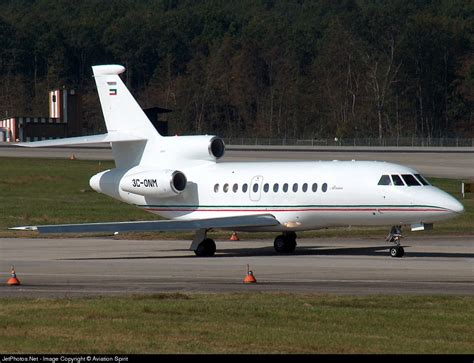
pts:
pixel 314 187
pixel 324 188
pixel 305 187
pixel 235 188
pixel 285 187
pixel 275 187
pixel 410 180
pixel 216 188
pixel 422 180
pixel 225 188
pixel 244 188
pixel 397 180
pixel 295 187
pixel 266 187
pixel 385 180
pixel 255 188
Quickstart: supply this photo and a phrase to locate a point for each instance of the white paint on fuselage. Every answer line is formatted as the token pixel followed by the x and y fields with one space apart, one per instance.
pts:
pixel 352 197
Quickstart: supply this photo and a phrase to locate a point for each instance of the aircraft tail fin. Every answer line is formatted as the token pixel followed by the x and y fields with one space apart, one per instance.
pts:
pixel 123 115
pixel 121 111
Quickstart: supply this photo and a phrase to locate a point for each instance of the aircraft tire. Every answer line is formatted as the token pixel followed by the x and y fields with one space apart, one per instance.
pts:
pixel 279 244
pixel 397 251
pixel 401 251
pixel 283 244
pixel 207 248
pixel 291 246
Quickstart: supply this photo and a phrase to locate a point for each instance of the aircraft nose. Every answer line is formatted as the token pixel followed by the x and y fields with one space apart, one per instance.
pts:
pixel 458 208
pixel 453 205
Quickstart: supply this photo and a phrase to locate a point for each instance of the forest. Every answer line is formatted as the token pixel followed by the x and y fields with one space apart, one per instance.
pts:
pixel 252 68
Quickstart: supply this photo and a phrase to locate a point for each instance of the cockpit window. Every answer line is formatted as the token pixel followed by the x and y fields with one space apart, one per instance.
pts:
pixel 421 179
pixel 397 180
pixel 385 180
pixel 410 180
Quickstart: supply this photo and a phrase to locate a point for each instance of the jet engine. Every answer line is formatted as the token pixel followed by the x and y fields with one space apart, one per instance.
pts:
pixel 199 147
pixel 156 183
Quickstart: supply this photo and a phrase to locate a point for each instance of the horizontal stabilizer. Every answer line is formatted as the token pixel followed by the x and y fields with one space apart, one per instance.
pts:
pixel 82 140
pixel 260 220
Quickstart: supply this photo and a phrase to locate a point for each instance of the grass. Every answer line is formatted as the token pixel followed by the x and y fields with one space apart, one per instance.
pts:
pixel 238 323
pixel 45 191
pixel 41 191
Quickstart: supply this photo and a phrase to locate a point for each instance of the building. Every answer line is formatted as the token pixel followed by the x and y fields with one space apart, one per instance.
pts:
pixel 65 120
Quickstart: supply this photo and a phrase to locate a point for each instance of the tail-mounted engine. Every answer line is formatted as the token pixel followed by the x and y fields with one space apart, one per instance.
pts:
pixel 199 147
pixel 156 183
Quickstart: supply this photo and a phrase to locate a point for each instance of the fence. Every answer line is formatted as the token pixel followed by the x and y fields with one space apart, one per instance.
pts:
pixel 401 141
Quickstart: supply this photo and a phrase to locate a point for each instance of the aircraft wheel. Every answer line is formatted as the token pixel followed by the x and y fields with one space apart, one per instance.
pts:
pixel 279 244
pixel 397 251
pixel 290 246
pixel 290 240
pixel 206 248
pixel 284 244
pixel 401 251
pixel 393 251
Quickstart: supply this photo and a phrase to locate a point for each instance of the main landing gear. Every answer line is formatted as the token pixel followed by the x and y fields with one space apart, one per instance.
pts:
pixel 203 246
pixel 394 237
pixel 285 243
pixel 206 247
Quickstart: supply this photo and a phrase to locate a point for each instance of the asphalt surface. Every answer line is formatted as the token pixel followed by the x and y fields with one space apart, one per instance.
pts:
pixel 112 266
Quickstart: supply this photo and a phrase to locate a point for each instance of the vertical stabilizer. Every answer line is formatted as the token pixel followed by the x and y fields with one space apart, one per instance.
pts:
pixel 123 115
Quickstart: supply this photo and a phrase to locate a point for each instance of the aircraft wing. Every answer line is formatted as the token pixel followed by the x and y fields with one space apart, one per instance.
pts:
pixel 260 220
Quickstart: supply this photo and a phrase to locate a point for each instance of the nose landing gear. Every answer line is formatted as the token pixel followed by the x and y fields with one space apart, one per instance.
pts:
pixel 395 236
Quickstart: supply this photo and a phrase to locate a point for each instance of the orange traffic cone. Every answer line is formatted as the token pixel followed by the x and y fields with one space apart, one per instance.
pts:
pixel 250 278
pixel 234 237
pixel 13 280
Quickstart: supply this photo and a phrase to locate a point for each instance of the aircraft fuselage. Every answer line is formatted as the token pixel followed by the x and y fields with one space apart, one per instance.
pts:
pixel 301 195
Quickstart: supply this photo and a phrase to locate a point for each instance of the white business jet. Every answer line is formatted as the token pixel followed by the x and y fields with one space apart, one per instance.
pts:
pixel 179 178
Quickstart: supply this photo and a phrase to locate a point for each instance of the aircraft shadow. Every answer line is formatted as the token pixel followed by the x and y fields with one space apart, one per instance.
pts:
pixel 300 251
pixel 303 251
pixel 335 251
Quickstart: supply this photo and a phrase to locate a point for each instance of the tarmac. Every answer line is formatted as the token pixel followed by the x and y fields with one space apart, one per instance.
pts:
pixel 110 266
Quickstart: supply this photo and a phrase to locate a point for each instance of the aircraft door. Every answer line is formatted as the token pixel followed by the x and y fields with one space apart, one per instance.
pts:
pixel 256 188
